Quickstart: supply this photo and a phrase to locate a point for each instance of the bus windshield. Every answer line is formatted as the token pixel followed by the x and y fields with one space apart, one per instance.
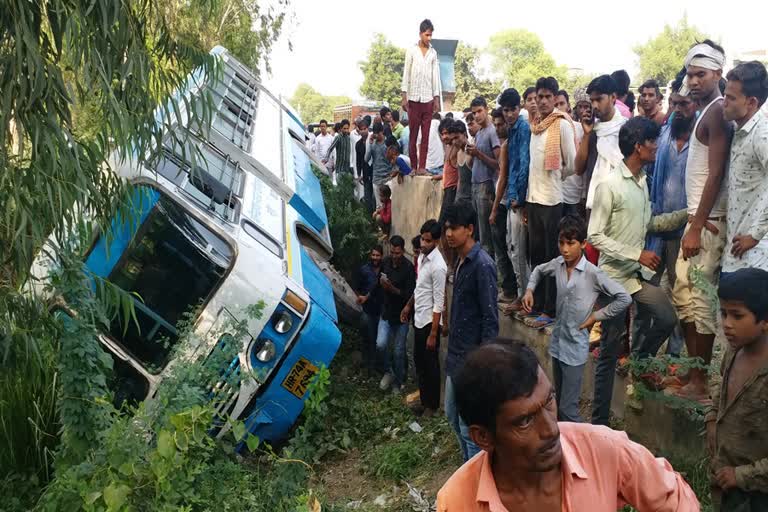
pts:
pixel 173 263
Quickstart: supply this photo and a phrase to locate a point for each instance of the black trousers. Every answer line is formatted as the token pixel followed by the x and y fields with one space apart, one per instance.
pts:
pixel 449 197
pixel 543 230
pixel 427 363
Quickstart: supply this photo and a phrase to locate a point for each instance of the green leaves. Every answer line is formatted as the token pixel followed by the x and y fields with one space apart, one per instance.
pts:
pixel 469 85
pixel 115 496
pixel 166 446
pixel 521 58
pixel 383 71
pixel 350 224
pixel 313 106
pixel 661 57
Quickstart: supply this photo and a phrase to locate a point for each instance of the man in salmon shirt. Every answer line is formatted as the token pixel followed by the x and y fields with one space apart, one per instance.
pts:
pixel 529 461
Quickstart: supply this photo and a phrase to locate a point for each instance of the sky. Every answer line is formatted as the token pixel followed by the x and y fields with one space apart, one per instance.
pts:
pixel 330 37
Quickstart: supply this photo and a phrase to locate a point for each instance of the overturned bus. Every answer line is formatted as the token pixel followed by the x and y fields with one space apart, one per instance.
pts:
pixel 248 225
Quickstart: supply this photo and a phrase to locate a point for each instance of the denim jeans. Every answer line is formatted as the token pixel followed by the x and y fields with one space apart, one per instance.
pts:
pixel 468 448
pixel 386 332
pixel 483 195
pixel 567 389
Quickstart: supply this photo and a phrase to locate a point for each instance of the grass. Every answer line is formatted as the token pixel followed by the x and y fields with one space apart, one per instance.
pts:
pixel 379 454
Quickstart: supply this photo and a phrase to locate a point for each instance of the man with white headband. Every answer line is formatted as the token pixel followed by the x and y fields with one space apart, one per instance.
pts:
pixel 706 191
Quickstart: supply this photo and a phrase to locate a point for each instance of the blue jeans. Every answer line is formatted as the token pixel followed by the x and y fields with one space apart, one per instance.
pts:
pixel 399 331
pixel 371 326
pixel 468 448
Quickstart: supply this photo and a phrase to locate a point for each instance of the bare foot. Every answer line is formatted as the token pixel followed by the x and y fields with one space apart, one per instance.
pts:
pixel 542 321
pixel 517 305
pixel 691 391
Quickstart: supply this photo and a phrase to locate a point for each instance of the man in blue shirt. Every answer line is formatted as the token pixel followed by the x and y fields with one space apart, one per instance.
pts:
pixel 668 193
pixel 474 316
pixel 510 234
pixel 369 296
pixel 579 284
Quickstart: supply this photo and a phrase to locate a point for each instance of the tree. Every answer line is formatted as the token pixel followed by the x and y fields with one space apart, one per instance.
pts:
pixel 122 60
pixel 242 26
pixel 661 57
pixel 521 59
pixel 383 71
pixel 313 106
pixel 468 83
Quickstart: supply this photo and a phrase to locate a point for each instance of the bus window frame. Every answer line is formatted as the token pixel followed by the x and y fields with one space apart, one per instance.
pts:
pixel 225 237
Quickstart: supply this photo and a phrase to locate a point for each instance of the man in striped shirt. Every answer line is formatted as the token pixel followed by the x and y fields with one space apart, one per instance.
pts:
pixel 343 146
pixel 421 92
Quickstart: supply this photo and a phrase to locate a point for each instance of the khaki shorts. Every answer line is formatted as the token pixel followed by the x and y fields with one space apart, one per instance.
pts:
pixel 695 291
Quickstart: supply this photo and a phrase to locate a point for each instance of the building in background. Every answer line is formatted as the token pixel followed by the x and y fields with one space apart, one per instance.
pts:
pixel 446 55
pixel 358 108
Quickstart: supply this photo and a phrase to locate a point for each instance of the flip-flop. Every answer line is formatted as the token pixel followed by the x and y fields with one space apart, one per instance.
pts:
pixel 540 322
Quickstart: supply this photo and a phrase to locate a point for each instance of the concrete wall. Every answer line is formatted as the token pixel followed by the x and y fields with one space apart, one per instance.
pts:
pixel 414 201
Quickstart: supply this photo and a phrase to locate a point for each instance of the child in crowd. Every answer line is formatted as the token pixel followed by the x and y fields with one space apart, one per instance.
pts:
pixel 579 285
pixel 737 438
pixel 383 214
pixel 401 164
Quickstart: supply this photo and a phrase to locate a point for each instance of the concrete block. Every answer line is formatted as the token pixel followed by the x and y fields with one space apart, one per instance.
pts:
pixel 672 432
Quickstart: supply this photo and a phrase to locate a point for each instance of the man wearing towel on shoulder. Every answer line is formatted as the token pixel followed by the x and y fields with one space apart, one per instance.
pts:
pixel 706 191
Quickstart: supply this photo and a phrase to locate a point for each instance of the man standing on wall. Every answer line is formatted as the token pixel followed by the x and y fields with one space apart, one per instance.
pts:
pixel 421 92
pixel 706 192
pixel 552 157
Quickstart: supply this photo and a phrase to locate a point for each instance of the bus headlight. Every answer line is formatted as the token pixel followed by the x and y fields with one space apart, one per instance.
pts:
pixel 267 352
pixel 282 322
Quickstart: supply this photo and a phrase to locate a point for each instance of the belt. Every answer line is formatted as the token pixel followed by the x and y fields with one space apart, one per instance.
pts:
pixel 713 219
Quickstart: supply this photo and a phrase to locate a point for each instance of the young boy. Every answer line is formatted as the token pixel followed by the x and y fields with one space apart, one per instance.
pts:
pixel 401 164
pixel 383 214
pixel 579 284
pixel 737 439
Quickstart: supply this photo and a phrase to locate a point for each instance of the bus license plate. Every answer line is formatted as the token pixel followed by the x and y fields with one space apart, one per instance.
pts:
pixel 299 377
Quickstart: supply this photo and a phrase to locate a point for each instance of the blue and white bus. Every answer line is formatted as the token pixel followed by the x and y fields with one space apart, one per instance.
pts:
pixel 246 225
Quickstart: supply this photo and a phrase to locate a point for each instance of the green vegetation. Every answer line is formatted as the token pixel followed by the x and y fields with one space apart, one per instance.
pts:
pixel 83 80
pixel 661 57
pixel 313 106
pixel 352 229
pixel 469 84
pixel 383 71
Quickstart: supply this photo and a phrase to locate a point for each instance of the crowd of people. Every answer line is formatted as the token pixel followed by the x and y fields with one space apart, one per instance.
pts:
pixel 579 214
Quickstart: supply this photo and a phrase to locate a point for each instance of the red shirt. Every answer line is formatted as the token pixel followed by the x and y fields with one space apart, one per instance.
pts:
pixel 602 471
pixel 386 211
pixel 450 175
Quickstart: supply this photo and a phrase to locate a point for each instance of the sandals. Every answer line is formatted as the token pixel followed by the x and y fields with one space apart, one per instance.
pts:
pixel 539 322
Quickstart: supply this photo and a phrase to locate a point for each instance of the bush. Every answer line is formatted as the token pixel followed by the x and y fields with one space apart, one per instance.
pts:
pixel 351 226
pixel 160 455
pixel 29 410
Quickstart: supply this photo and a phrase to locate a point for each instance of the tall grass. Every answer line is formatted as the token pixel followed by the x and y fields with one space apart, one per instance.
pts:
pixel 28 415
